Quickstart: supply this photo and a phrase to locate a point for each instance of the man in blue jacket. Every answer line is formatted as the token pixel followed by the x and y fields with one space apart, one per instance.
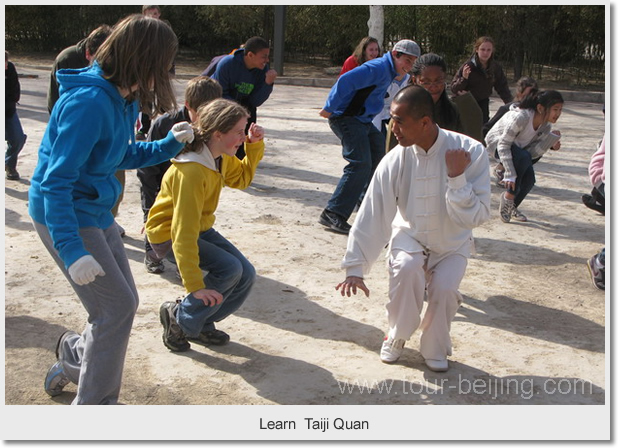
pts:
pixel 246 77
pixel 354 100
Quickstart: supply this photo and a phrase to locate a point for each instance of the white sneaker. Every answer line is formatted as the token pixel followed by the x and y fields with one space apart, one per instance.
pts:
pixel 391 349
pixel 437 365
pixel 506 208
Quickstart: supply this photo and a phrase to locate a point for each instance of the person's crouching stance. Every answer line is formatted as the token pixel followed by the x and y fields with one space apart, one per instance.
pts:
pixel 426 196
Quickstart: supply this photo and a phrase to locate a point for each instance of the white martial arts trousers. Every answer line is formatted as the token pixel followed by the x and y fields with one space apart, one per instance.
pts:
pixel 410 273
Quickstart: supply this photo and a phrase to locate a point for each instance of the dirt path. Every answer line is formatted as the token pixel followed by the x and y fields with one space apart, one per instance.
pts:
pixel 531 319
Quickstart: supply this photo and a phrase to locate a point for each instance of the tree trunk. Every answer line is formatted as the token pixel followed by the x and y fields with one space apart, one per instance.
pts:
pixel 376 24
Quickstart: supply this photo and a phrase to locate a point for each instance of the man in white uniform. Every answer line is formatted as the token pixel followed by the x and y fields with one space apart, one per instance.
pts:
pixel 426 196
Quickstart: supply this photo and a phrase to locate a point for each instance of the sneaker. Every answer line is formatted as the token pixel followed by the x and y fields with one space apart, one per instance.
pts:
pixel 214 337
pixel 596 274
pixel 518 216
pixel 437 365
pixel 592 204
pixel 11 173
pixel 334 222
pixel 506 208
pixel 173 336
pixel 55 380
pixel 153 266
pixel 391 349
pixel 499 176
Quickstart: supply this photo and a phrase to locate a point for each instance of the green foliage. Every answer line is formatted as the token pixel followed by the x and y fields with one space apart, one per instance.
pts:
pixel 530 40
pixel 52 28
pixel 330 31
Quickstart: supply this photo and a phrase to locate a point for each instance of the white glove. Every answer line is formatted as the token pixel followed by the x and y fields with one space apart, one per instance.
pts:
pixel 183 132
pixel 85 269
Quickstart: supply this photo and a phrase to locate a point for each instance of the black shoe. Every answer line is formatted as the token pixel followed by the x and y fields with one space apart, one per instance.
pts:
pixel 334 222
pixel 173 336
pixel 214 337
pixel 592 204
pixel 11 173
pixel 153 266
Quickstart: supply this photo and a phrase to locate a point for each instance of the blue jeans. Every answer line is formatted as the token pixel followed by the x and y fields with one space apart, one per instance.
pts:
pixel 363 148
pixel 229 273
pixel 522 160
pixel 15 138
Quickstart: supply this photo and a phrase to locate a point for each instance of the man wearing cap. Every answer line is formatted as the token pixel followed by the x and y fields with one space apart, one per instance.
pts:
pixel 353 102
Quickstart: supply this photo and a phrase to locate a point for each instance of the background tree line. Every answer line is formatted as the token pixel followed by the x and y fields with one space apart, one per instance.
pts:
pixel 553 43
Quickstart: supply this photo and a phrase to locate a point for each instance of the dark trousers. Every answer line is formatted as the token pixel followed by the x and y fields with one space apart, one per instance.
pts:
pixel 484 105
pixel 363 148
pixel 150 179
pixel 240 153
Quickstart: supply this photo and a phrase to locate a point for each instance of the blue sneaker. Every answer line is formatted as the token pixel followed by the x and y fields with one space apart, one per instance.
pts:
pixel 55 380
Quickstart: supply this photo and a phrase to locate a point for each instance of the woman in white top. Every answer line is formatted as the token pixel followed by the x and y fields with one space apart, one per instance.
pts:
pixel 519 140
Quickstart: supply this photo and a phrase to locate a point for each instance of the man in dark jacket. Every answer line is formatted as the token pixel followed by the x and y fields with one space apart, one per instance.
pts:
pixel 13 132
pixel 75 56
pixel 246 77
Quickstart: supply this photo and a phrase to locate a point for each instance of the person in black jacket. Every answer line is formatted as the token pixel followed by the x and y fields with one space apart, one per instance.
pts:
pixel 13 132
pixel 480 75
pixel 200 90
pixel 75 56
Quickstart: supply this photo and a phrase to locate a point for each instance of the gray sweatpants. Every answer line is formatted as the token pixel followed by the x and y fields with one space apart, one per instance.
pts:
pixel 95 359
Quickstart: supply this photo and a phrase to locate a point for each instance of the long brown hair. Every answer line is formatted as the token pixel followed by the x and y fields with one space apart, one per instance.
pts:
pixel 359 51
pixel 140 50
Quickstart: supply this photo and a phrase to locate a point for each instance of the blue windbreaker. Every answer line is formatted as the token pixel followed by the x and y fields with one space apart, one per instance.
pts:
pixel 360 92
pixel 90 135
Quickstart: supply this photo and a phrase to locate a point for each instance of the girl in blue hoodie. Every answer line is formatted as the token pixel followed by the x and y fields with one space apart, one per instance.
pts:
pixel 73 190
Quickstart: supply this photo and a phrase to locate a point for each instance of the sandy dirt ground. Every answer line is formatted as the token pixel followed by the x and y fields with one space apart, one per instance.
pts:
pixel 531 323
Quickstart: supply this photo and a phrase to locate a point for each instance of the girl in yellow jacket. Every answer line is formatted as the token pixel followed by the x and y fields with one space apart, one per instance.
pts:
pixel 182 217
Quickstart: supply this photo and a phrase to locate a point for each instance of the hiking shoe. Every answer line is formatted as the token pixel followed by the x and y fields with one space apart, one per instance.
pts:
pixel 518 216
pixel 437 365
pixel 153 266
pixel 334 222
pixel 499 176
pixel 506 208
pixel 214 337
pixel 391 349
pixel 55 380
pixel 596 274
pixel 173 336
pixel 11 173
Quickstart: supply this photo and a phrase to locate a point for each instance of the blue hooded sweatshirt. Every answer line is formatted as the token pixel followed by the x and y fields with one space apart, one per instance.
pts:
pixel 247 87
pixel 360 92
pixel 90 135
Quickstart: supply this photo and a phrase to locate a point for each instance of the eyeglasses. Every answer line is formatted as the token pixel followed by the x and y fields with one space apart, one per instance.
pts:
pixel 436 83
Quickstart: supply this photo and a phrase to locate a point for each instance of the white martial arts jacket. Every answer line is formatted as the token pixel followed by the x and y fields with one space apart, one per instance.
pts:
pixel 412 202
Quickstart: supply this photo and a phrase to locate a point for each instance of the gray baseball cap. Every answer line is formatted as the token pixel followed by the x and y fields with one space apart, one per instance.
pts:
pixel 408 47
